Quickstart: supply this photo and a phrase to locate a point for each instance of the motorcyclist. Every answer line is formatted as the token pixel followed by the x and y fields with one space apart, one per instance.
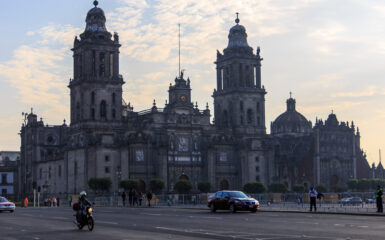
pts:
pixel 83 204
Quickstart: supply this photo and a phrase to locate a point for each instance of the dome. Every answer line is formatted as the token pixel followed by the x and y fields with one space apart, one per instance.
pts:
pixel 332 120
pixel 238 39
pixel 291 122
pixel 96 20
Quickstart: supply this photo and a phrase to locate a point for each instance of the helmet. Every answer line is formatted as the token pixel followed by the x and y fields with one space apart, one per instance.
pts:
pixel 83 193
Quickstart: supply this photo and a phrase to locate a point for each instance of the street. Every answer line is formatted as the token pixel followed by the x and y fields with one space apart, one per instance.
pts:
pixel 178 223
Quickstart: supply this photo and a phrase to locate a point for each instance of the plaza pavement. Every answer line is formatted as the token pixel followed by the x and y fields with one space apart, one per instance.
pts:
pixel 194 223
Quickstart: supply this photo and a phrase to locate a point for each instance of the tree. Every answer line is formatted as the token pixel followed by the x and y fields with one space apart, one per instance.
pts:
pixel 298 188
pixel 99 184
pixel 128 184
pixel 277 188
pixel 363 184
pixel 321 188
pixel 204 187
pixel 156 185
pixel 254 187
pixel 352 184
pixel 183 186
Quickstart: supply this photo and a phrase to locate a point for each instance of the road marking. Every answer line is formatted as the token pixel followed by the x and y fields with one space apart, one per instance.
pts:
pixel 112 223
pixel 339 225
pixel 152 214
pixel 363 226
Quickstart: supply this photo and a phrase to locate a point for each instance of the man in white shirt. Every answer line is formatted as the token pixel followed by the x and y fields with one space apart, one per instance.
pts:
pixel 313 195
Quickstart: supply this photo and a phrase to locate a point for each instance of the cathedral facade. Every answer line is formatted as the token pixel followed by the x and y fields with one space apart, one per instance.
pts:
pixel 106 138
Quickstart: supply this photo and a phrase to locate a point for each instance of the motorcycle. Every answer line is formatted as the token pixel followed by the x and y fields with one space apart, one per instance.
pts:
pixel 86 218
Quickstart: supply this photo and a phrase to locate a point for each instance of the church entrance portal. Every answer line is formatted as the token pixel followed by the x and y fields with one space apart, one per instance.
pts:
pixel 224 184
pixel 142 186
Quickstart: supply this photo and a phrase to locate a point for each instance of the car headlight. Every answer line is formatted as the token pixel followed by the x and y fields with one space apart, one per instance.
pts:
pixel 90 210
pixel 256 202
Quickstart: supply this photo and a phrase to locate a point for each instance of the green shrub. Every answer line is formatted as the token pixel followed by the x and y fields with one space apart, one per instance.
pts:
pixel 204 187
pixel 183 186
pixel 254 187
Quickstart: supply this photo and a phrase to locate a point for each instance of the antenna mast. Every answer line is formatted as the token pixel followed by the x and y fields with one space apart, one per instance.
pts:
pixel 179 49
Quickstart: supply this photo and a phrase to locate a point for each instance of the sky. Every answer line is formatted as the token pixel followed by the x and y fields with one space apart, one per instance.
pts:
pixel 330 54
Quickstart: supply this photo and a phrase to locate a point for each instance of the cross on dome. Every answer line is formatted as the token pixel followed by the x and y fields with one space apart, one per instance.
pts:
pixel 237 20
pixel 96 3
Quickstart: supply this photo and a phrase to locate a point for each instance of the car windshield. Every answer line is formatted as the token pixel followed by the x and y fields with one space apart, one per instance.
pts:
pixel 237 194
pixel 2 199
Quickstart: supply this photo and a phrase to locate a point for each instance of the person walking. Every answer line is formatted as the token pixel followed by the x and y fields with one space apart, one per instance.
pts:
pixel 378 195
pixel 130 196
pixel 140 197
pixel 124 198
pixel 26 202
pixel 53 202
pixel 313 195
pixel 149 197
pixel 70 200
pixel 135 201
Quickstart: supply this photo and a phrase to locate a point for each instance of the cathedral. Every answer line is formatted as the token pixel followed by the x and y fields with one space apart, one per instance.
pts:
pixel 106 138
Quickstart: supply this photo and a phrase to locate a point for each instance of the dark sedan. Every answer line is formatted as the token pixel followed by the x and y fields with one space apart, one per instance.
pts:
pixel 233 201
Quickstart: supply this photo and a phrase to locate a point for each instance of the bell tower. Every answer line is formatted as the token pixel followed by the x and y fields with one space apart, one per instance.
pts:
pixel 239 99
pixel 96 87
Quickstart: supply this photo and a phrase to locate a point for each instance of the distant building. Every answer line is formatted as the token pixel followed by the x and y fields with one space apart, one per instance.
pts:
pixel 107 138
pixel 328 153
pixel 9 162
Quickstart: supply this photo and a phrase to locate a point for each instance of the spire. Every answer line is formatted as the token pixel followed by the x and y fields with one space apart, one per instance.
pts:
pixel 181 74
pixel 237 19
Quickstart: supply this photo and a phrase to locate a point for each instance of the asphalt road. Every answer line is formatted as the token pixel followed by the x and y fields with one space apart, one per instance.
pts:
pixel 177 223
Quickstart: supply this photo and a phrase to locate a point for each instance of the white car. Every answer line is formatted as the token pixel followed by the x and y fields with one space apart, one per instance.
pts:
pixel 6 205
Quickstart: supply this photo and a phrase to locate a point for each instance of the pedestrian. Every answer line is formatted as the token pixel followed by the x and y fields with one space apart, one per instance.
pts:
pixel 130 196
pixel 26 202
pixel 53 202
pixel 378 195
pixel 313 196
pixel 70 200
pixel 140 197
pixel 149 197
pixel 135 201
pixel 124 198
pixel 57 202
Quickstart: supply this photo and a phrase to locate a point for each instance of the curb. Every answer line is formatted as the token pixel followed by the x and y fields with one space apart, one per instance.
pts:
pixel 304 212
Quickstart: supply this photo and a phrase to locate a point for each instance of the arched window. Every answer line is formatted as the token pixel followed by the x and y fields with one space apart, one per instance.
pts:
pixel 103 109
pixel 249 116
pixel 113 113
pixel 241 105
pixel 93 113
pixel 224 185
pixel 77 111
pixel 225 118
pixel 92 97
pixel 113 98
pixel 102 69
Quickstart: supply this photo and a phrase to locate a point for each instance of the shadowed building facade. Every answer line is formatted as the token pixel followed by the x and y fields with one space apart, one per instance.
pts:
pixel 107 138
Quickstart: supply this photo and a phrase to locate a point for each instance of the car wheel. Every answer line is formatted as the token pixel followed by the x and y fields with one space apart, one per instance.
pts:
pixel 253 210
pixel 11 211
pixel 212 208
pixel 233 209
